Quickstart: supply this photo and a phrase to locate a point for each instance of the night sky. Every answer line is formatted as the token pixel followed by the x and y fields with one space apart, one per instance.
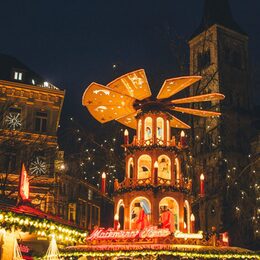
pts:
pixel 74 42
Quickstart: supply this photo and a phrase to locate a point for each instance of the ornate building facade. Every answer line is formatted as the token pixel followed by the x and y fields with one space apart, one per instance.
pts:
pixel 30 114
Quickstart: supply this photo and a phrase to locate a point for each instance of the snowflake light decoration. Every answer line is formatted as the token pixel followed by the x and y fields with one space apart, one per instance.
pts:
pixel 38 167
pixel 13 121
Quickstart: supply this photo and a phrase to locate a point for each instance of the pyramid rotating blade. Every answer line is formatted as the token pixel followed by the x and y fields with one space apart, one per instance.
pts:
pixel 177 123
pixel 175 85
pixel 196 112
pixel 200 98
pixel 133 84
pixel 104 104
pixel 129 120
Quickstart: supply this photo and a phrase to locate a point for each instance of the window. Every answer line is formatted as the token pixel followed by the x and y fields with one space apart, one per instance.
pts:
pixel 72 212
pixel 144 167
pixel 41 122
pixel 90 194
pixel 203 60
pixel 18 75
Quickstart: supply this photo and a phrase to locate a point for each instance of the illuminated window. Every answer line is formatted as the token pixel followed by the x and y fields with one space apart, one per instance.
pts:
pixel 90 194
pixel 72 212
pixel 144 167
pixel 18 75
pixel 41 122
pixel 160 128
pixel 164 167
pixel 148 126
pixel 130 168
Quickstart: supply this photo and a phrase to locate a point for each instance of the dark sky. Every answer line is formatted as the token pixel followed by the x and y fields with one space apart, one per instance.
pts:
pixel 74 42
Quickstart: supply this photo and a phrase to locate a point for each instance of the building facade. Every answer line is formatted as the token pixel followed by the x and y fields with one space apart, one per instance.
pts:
pixel 30 114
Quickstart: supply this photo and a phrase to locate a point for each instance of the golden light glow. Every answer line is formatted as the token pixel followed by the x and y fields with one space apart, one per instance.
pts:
pixel 133 84
pixel 175 85
pixel 202 177
pixel 128 120
pixel 116 101
pixel 196 112
pixel 177 123
pixel 105 104
pixel 200 98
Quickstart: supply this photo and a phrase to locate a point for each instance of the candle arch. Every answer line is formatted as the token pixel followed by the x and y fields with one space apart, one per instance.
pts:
pixel 155 190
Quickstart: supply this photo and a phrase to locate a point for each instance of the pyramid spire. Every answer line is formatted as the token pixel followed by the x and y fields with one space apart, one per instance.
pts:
pixel 217 12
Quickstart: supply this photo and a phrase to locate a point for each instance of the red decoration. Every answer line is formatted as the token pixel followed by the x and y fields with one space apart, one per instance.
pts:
pixel 202 188
pixel 167 219
pixel 24 184
pixel 103 184
pixel 183 139
pixel 126 137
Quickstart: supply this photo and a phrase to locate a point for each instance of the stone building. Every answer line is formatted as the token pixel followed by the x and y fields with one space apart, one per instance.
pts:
pixel 30 111
pixel 219 52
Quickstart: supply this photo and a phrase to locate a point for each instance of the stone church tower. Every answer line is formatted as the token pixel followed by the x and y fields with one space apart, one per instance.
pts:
pixel 219 53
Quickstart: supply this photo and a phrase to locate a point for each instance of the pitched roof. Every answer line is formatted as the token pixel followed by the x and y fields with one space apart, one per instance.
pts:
pixel 9 64
pixel 217 12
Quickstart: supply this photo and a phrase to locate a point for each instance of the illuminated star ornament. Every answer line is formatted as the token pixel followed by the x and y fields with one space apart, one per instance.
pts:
pixel 13 121
pixel 125 97
pixel 38 167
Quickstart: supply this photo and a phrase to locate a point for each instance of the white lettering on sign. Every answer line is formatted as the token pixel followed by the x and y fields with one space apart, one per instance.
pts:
pixel 149 232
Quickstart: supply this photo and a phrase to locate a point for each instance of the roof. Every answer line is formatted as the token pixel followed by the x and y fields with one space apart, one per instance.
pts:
pixel 9 65
pixel 217 12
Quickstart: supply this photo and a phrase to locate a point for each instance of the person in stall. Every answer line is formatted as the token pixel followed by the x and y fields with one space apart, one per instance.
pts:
pixel 142 220
pixel 167 219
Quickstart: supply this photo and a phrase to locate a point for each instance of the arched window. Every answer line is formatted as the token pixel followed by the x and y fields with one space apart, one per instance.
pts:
pixel 148 128
pixel 144 167
pixel 177 170
pixel 131 168
pixel 160 128
pixel 170 206
pixel 120 212
pixel 140 213
pixel 187 214
pixel 139 130
pixel 164 167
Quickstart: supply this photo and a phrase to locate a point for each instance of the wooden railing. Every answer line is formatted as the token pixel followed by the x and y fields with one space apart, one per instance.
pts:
pixel 133 183
pixel 152 141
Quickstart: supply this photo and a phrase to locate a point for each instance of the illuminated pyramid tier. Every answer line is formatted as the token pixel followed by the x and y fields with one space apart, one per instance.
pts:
pixel 155 191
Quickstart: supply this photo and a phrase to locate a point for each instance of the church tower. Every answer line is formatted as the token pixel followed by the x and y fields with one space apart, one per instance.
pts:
pixel 219 53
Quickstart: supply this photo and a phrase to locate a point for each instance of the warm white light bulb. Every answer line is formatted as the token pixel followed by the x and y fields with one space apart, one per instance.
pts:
pixel 126 132
pixel 182 133
pixel 103 175
pixel 202 178
pixel 192 217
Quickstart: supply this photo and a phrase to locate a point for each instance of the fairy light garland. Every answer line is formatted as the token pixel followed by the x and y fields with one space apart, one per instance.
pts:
pixel 41 227
pixel 185 255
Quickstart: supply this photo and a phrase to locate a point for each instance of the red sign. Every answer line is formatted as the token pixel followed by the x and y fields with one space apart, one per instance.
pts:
pixel 148 232
pixel 24 184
